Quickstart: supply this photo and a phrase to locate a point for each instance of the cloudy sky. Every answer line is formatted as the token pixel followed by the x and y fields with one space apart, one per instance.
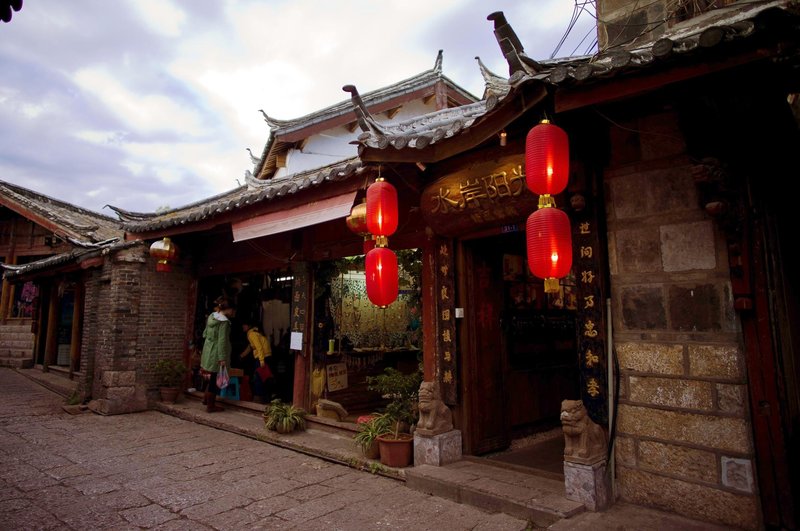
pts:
pixel 144 104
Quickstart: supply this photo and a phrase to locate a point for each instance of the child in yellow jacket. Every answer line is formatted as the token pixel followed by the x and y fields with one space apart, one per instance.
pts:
pixel 260 348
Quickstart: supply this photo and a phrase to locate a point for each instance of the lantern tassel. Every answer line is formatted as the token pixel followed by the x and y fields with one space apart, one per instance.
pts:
pixel 551 285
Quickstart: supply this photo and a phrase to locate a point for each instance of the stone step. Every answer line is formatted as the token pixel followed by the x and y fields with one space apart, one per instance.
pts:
pixel 16 363
pixel 15 353
pixel 494 488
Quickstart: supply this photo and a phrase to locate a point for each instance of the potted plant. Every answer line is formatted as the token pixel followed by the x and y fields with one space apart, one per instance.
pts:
pixel 397 444
pixel 284 418
pixel 170 374
pixel 369 429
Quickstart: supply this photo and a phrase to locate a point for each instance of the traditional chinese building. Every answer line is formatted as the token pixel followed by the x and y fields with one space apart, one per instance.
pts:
pixel 674 327
pixel 41 318
pixel 262 244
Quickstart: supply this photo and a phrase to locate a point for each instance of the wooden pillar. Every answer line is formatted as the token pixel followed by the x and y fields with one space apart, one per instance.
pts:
pixel 76 337
pixel 430 328
pixel 302 312
pixel 8 288
pixel 51 343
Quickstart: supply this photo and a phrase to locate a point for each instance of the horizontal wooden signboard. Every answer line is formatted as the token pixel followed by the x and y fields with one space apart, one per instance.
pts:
pixel 483 194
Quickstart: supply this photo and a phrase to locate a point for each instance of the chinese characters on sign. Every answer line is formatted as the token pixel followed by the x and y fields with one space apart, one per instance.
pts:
pixel 299 304
pixel 591 342
pixel 446 340
pixel 487 193
pixel 336 376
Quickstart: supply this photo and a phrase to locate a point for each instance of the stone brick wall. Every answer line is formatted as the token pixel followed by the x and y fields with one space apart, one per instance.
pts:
pixel 133 317
pixel 634 21
pixel 684 438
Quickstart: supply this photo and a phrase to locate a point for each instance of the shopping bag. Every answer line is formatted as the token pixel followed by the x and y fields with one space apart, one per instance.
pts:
pixel 222 377
pixel 264 373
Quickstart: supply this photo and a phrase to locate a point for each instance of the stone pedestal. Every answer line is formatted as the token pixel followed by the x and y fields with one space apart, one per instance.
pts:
pixel 438 449
pixel 588 484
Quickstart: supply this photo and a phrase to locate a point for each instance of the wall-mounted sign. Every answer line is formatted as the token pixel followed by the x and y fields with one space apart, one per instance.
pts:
pixel 336 376
pixel 487 193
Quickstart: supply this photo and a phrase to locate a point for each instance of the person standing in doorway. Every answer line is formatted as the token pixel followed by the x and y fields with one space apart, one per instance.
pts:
pixel 216 350
pixel 260 372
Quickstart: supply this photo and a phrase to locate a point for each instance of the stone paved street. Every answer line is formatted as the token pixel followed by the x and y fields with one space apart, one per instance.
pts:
pixel 153 471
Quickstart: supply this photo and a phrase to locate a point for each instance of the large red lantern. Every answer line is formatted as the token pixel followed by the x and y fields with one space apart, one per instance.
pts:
pixel 549 246
pixel 165 252
pixel 546 160
pixel 382 215
pixel 382 279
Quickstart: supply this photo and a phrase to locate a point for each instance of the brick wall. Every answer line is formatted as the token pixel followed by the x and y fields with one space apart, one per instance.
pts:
pixel 684 436
pixel 133 317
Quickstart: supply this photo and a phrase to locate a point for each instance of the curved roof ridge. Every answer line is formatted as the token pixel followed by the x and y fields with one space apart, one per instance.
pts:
pixel 128 216
pixel 492 82
pixel 344 106
pixel 243 196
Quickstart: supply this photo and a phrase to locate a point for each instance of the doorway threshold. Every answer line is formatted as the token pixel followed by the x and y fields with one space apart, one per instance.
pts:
pixel 540 454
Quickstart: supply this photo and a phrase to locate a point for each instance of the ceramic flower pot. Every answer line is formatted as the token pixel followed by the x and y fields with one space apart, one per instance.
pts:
pixel 169 394
pixel 373 451
pixel 396 452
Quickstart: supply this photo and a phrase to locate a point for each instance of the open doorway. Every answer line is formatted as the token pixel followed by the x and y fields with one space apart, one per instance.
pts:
pixel 263 302
pixel 522 354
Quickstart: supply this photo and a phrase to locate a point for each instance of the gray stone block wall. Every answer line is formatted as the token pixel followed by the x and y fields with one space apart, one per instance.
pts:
pixel 684 434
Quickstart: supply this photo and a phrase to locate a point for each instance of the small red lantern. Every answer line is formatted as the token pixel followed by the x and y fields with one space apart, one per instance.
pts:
pixel 382 215
pixel 549 246
pixel 382 279
pixel 546 160
pixel 165 252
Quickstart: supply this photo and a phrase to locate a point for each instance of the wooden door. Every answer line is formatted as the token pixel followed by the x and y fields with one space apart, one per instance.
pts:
pixel 486 427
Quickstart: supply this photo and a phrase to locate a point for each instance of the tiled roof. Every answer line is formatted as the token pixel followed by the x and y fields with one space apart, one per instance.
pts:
pixel 706 32
pixel 75 255
pixel 279 128
pixel 79 226
pixel 254 191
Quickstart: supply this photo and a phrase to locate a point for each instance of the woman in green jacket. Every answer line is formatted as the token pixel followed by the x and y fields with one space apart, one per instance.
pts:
pixel 216 350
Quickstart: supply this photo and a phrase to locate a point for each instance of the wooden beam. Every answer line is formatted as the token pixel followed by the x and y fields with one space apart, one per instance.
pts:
pixel 76 335
pixel 391 113
pixel 280 159
pixel 567 98
pixel 51 343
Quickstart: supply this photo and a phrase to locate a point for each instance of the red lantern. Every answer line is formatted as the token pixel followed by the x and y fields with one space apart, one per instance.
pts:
pixel 546 159
pixel 382 279
pixel 165 252
pixel 549 246
pixel 382 208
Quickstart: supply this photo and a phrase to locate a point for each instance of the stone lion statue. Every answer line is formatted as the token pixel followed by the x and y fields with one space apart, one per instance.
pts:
pixel 434 416
pixel 583 439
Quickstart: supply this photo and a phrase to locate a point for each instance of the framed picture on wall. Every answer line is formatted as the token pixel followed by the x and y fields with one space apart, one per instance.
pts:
pixel 512 267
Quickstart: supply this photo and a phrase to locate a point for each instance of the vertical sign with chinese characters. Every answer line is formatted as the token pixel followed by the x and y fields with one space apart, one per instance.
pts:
pixel 591 314
pixel 299 307
pixel 446 322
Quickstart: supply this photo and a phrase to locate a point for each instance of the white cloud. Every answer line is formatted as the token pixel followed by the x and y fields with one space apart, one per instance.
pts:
pixel 147 113
pixel 161 16
pixel 133 76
